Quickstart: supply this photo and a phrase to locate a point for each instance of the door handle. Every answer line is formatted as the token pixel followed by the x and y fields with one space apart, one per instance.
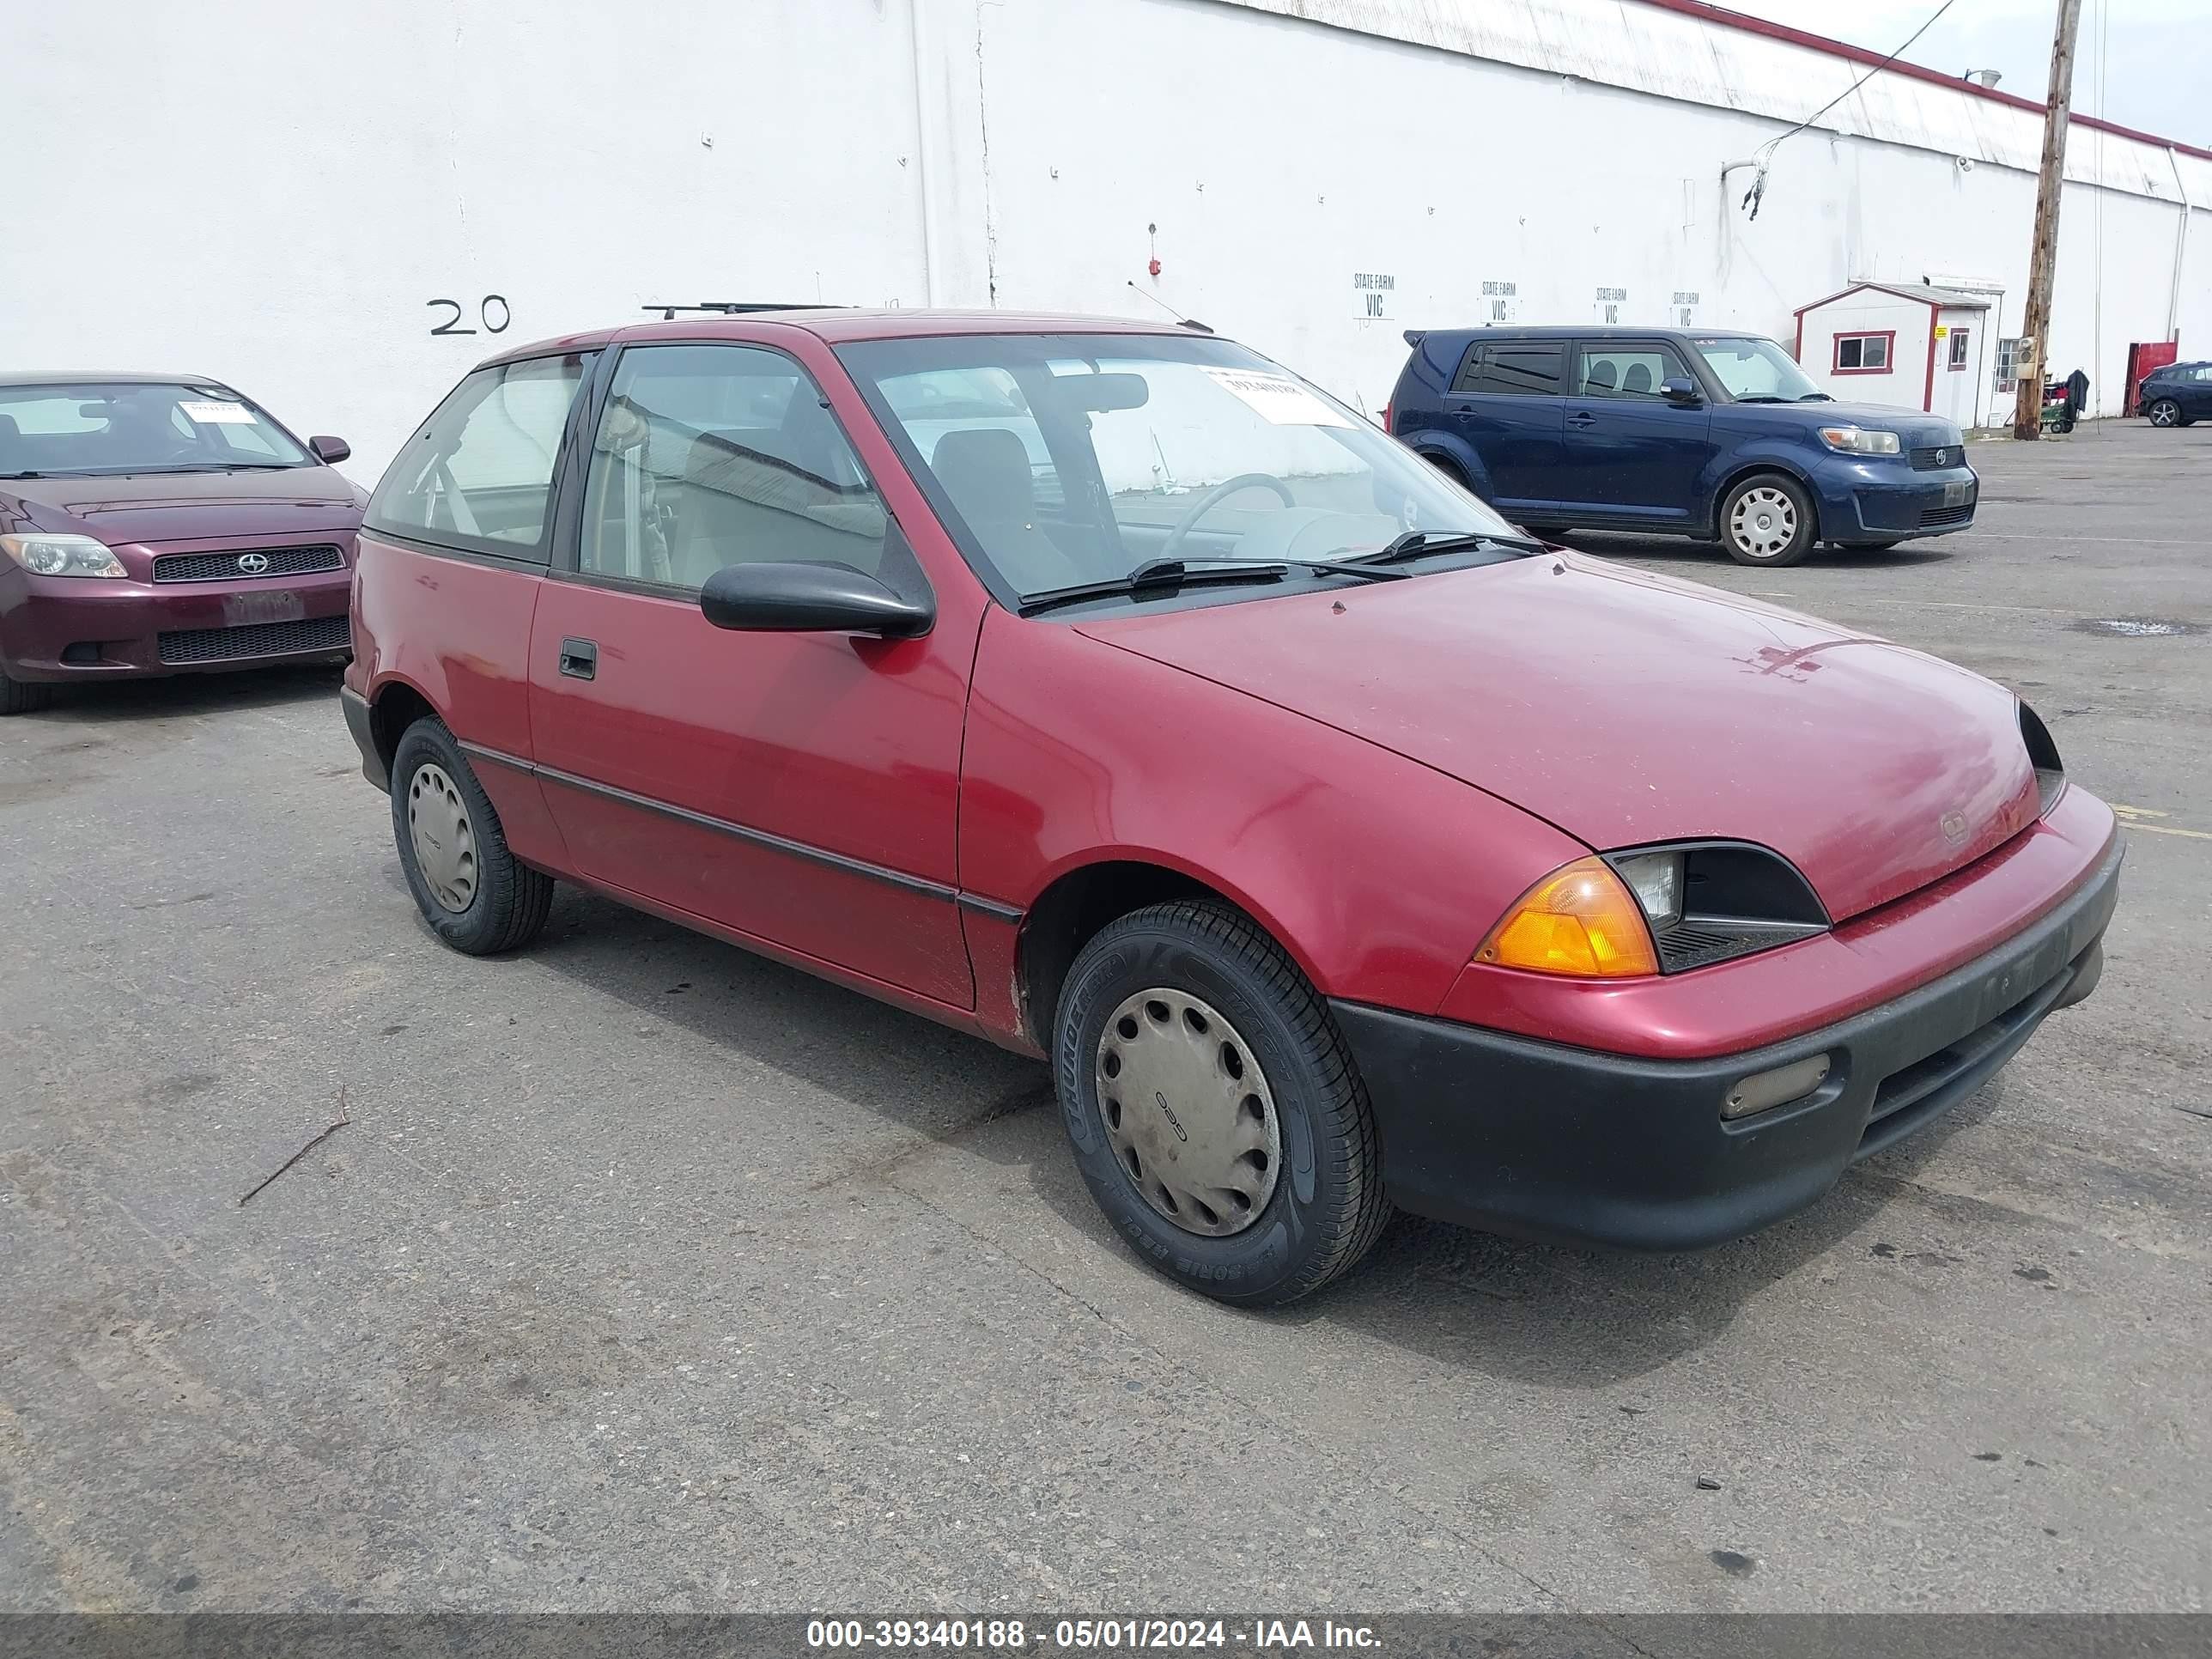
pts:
pixel 1582 417
pixel 580 659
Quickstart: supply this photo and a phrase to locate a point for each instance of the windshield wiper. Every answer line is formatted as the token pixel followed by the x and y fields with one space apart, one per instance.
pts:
pixel 1178 573
pixel 239 466
pixel 1419 544
pixel 1815 397
pixel 1762 397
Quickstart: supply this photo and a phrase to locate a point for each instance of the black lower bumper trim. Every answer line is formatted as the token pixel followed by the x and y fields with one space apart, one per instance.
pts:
pixel 1541 1141
pixel 364 735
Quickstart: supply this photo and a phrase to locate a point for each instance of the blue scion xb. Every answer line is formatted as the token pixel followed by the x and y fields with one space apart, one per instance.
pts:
pixel 1720 436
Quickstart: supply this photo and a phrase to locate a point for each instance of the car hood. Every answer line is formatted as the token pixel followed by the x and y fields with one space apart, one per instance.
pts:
pixel 1914 429
pixel 165 506
pixel 1627 708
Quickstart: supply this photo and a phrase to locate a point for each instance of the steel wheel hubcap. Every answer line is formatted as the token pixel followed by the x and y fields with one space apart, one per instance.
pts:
pixel 1191 1119
pixel 1763 522
pixel 444 841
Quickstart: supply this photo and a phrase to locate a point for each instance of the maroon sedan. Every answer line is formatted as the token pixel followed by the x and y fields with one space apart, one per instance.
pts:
pixel 1117 695
pixel 162 524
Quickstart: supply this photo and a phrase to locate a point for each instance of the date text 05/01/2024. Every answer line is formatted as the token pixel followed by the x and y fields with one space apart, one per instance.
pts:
pixel 1084 1635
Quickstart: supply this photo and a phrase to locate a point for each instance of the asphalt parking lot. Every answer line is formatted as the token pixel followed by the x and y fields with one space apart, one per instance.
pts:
pixel 648 1274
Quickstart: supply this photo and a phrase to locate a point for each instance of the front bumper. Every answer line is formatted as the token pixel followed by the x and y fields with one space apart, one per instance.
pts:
pixel 1886 500
pixel 1546 1141
pixel 57 629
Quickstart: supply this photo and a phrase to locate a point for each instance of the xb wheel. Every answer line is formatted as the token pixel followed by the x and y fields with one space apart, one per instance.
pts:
pixel 2164 411
pixel 1767 519
pixel 474 893
pixel 1215 1112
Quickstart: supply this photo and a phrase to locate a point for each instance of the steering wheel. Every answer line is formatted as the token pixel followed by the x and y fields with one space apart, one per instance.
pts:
pixel 1213 498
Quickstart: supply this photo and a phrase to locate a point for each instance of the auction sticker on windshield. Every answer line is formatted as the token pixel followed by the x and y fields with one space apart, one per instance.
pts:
pixel 215 414
pixel 1277 398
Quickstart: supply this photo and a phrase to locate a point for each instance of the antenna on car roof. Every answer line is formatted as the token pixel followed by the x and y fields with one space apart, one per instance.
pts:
pixel 1182 321
pixel 735 307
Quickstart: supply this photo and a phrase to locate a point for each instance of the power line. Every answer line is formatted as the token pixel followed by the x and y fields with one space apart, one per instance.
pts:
pixel 1763 156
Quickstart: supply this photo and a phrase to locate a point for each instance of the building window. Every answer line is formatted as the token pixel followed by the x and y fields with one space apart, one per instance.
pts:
pixel 2008 364
pixel 1863 354
pixel 1959 337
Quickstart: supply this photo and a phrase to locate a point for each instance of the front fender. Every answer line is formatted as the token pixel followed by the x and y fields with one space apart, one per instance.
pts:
pixel 1379 875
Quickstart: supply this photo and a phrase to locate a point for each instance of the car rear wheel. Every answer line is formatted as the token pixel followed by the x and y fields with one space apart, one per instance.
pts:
pixel 476 895
pixel 1215 1112
pixel 21 696
pixel 2164 411
pixel 1767 519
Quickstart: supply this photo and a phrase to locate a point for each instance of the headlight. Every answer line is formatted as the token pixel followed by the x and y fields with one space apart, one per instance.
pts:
pixel 1655 879
pixel 1580 920
pixel 1859 440
pixel 63 556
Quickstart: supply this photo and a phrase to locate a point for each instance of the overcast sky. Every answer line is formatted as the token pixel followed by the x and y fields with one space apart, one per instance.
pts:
pixel 2159 76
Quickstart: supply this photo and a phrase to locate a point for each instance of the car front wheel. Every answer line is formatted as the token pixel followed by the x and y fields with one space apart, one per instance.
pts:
pixel 1215 1112
pixel 2164 411
pixel 23 696
pixel 476 895
pixel 1768 520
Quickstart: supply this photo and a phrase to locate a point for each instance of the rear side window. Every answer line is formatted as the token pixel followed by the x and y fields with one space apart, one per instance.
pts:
pixel 714 455
pixel 478 475
pixel 1509 370
pixel 1608 370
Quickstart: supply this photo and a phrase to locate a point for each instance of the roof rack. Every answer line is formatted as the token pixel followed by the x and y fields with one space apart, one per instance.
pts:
pixel 737 307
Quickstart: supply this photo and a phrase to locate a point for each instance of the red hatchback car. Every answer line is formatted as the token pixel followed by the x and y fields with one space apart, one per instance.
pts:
pixel 1113 694
pixel 162 524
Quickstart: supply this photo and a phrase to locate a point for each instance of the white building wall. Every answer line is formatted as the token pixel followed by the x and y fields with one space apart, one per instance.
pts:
pixel 272 194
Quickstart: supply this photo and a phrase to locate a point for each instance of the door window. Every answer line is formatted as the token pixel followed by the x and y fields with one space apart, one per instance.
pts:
pixel 1511 370
pixel 1634 371
pixel 1959 338
pixel 713 455
pixel 479 473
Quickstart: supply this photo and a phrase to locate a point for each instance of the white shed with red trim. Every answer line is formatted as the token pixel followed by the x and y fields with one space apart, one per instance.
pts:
pixel 1903 344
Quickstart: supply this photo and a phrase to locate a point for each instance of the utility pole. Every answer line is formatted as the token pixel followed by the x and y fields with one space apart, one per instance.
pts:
pixel 2043 258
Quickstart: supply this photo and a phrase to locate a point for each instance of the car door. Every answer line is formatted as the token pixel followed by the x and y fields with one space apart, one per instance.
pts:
pixel 796 788
pixel 2196 392
pixel 1504 401
pixel 1630 453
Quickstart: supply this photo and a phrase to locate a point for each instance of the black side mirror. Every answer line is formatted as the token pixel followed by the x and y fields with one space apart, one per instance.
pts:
pixel 1681 392
pixel 329 451
pixel 810 598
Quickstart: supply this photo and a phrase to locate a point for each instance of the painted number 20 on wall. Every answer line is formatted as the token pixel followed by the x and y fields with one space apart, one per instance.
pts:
pixel 452 324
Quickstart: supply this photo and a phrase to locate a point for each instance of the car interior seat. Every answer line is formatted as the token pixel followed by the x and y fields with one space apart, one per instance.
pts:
pixel 1637 379
pixel 986 473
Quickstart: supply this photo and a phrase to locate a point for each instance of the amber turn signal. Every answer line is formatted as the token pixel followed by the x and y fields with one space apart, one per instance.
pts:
pixel 1581 921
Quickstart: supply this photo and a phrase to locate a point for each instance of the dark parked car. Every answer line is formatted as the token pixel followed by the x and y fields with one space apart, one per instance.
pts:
pixel 1719 437
pixel 2178 394
pixel 1119 718
pixel 162 524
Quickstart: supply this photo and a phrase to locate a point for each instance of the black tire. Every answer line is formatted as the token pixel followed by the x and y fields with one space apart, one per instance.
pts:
pixel 508 900
pixel 1326 1206
pixel 1744 540
pixel 23 696
pixel 1449 469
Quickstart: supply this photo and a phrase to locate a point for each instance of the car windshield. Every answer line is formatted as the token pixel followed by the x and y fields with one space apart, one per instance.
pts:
pixel 1758 371
pixel 86 427
pixel 1076 459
